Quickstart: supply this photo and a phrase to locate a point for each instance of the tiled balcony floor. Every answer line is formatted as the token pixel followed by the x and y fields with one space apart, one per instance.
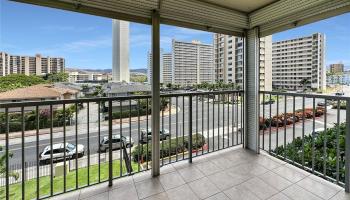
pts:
pixel 233 173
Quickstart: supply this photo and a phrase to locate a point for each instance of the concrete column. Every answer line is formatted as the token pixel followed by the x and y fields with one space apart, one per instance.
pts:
pixel 155 92
pixel 251 88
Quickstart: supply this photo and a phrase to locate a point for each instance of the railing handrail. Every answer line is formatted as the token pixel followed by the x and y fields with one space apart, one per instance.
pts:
pixel 321 96
pixel 101 99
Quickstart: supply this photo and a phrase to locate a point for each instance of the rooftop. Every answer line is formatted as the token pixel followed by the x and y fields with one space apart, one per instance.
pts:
pixel 41 91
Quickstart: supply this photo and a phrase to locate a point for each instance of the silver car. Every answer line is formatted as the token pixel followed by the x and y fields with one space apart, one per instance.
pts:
pixel 58 150
pixel 116 142
pixel 146 135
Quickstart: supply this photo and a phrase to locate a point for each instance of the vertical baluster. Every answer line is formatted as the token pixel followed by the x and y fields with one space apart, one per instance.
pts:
pixel 237 119
pixel 293 125
pixel 129 137
pixel 202 119
pixel 233 119
pixel 218 120
pixel 76 146
pixel 176 128
pixel 51 149
pixel 183 125
pixel 120 139
pixel 138 136
pixel 208 123
pixel 88 142
pixel 325 140
pixel 98 139
pixel 285 126
pixel 228 120
pixel 263 135
pixel 196 124
pixel 23 158
pixel 190 129
pixel 147 133
pixel 303 134
pixel 213 122
pixel 169 153
pixel 223 121
pixel 337 140
pixel 270 123
pixel 37 152
pixel 65 147
pixel 277 118
pixel 7 153
pixel 110 146
pixel 162 150
pixel 313 136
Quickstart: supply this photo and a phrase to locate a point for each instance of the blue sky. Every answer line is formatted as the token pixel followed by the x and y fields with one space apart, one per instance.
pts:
pixel 85 40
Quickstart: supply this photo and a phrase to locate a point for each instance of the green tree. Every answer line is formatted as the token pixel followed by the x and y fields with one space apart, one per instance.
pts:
pixel 57 77
pixel 14 81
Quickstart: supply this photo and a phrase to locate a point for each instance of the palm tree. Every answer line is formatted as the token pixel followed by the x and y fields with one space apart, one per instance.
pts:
pixel 3 167
pixel 304 82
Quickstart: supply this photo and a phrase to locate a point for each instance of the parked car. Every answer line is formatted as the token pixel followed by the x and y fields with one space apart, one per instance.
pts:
pixel 317 131
pixel 339 93
pixel 147 135
pixel 270 101
pixel 104 144
pixel 329 104
pixel 72 151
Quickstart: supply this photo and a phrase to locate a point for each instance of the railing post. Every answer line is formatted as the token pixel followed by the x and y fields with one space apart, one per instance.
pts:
pixel 347 148
pixel 110 156
pixel 190 129
pixel 155 92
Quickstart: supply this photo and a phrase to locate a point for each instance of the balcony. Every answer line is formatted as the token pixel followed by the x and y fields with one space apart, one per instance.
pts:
pixel 233 173
pixel 201 152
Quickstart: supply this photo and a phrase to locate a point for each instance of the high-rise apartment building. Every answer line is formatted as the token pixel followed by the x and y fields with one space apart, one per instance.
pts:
pixel 165 67
pixel 193 63
pixel 120 33
pixel 229 60
pixel 299 63
pixel 30 65
pixel 337 68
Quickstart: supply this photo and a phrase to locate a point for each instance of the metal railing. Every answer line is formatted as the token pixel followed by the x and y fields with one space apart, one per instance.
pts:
pixel 52 147
pixel 310 131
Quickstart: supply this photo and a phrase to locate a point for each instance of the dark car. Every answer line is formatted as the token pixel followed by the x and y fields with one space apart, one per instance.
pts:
pixel 270 101
pixel 147 135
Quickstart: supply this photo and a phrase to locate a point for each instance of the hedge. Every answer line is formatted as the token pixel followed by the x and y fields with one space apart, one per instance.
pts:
pixel 15 119
pixel 133 113
pixel 293 151
pixel 139 153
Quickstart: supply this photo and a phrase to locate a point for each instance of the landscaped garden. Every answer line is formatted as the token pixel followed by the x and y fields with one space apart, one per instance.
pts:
pixel 299 149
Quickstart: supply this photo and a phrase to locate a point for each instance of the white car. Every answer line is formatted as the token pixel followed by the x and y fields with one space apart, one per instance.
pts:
pixel 58 152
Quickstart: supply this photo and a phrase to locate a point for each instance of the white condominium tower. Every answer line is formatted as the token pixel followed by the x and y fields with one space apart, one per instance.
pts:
pixel 229 60
pixel 30 65
pixel 298 59
pixel 192 63
pixel 165 67
pixel 120 33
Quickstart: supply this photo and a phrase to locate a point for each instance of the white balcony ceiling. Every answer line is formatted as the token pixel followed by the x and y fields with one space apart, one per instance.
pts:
pixel 224 16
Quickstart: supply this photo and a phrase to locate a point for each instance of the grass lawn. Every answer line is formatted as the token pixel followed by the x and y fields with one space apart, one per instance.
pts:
pixel 30 185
